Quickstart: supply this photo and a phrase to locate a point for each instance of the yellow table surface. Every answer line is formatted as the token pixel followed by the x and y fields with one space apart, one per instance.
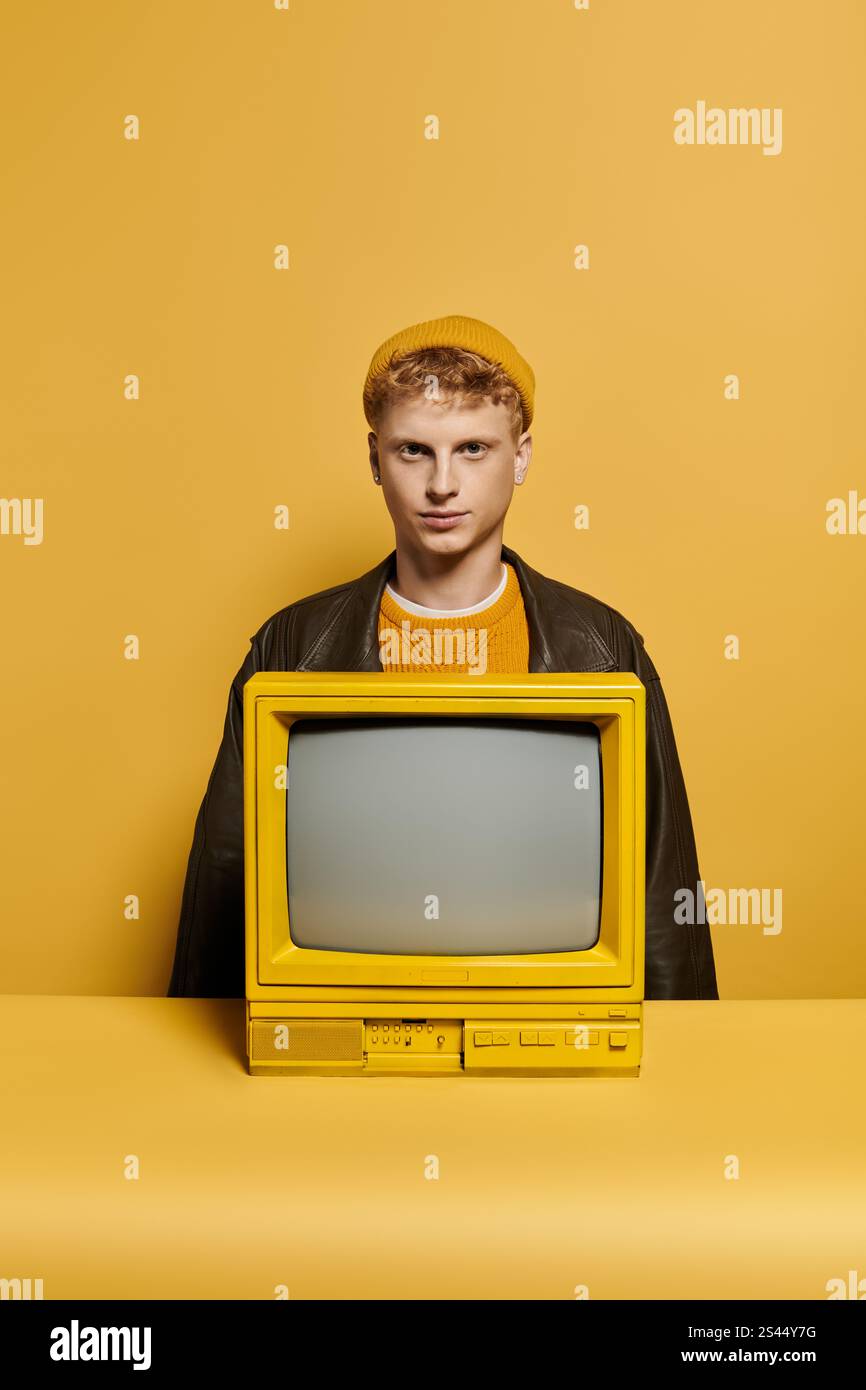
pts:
pixel 250 1183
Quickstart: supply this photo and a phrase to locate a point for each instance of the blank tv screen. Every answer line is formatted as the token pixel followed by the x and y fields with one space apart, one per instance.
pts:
pixel 444 836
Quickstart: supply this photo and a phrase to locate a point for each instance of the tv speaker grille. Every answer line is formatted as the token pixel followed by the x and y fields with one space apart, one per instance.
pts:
pixel 306 1040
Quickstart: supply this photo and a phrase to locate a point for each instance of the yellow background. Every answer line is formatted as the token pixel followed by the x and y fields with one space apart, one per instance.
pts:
pixel 261 127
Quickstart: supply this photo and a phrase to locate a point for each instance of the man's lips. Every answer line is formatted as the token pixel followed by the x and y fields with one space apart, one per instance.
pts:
pixel 442 521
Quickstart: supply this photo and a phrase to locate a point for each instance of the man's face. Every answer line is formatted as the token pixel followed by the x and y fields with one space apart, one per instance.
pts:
pixel 447 471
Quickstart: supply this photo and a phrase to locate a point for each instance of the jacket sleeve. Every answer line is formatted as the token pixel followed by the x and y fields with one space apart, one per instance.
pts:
pixel 679 956
pixel 209 954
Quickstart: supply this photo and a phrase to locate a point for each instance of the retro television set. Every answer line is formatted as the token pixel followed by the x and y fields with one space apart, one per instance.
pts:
pixel 444 874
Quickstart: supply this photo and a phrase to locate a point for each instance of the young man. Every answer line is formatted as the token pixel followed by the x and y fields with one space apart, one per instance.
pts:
pixel 449 403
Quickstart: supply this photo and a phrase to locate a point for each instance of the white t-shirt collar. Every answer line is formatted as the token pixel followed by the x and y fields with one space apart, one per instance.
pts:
pixel 423 612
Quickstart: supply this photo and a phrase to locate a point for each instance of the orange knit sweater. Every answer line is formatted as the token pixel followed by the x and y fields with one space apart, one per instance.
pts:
pixel 494 639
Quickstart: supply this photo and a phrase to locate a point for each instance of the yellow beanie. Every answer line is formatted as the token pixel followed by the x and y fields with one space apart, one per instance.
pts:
pixel 458 331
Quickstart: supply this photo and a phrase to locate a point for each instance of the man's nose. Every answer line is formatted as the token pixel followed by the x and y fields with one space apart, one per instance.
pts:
pixel 442 479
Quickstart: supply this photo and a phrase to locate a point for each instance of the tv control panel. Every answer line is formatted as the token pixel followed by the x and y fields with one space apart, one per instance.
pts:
pixel 600 1040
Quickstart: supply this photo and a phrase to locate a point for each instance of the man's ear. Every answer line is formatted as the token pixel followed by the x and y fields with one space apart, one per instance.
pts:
pixel 374 457
pixel 522 457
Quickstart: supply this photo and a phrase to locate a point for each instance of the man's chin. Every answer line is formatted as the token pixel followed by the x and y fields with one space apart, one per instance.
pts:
pixel 457 541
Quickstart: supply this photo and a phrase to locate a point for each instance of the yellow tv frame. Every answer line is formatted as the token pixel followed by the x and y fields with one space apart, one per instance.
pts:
pixel 333 1012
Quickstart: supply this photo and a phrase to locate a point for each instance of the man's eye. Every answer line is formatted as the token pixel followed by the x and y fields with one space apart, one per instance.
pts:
pixel 473 444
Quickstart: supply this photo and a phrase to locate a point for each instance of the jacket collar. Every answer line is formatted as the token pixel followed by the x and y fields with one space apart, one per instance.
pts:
pixel 562 634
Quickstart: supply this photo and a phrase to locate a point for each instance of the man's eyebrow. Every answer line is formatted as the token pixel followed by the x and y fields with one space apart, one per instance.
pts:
pixel 470 439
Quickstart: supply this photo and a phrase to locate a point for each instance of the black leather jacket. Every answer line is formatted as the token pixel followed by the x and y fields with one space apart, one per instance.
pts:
pixel 337 630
